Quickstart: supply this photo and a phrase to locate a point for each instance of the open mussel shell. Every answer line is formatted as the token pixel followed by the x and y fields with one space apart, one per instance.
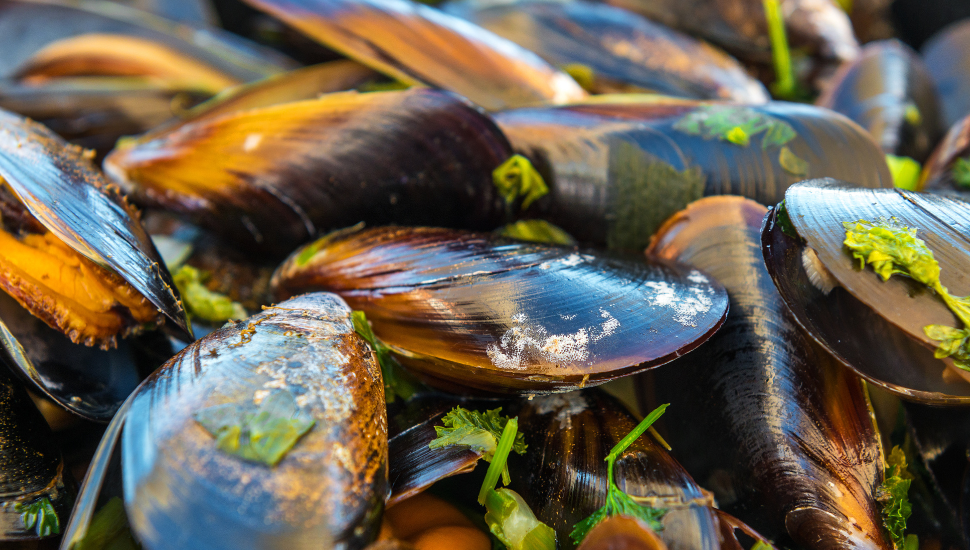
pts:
pixel 87 381
pixel 617 168
pixel 888 91
pixel 182 491
pixel 759 413
pixel 403 39
pixel 26 26
pixel 472 311
pixel 563 474
pixel 620 49
pixel 874 327
pixel 33 478
pixel 947 56
pixel 68 196
pixel 942 172
pixel 820 29
pixel 273 178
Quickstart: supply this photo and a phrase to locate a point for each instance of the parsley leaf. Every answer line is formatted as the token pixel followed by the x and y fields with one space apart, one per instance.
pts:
pixel 961 172
pixel 40 517
pixel 735 124
pixel 480 431
pixel 397 381
pixel 892 494
pixel 517 178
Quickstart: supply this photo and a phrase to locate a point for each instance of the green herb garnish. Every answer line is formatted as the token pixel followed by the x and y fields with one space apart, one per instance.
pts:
pixel 905 172
pixel 108 530
pixel 201 302
pixel 517 178
pixel 791 162
pixel 398 383
pixel 537 231
pixel 584 75
pixel 480 431
pixel 893 249
pixel 40 517
pixel 259 433
pixel 735 124
pixel 892 494
pixel 618 502
pixel 784 86
pixel 961 172
pixel 508 517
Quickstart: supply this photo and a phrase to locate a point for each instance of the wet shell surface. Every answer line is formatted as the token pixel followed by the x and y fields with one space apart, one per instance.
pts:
pixel 874 327
pixel 467 310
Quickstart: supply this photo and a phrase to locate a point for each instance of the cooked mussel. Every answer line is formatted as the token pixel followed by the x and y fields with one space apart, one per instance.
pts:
pixel 563 475
pixel 274 177
pixel 616 169
pixel 473 311
pixel 876 327
pixel 404 40
pixel 948 169
pixel 888 91
pixel 270 433
pixel 947 60
pixel 619 50
pixel 770 422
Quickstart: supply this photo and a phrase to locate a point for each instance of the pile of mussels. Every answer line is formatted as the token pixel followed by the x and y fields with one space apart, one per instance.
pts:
pixel 285 281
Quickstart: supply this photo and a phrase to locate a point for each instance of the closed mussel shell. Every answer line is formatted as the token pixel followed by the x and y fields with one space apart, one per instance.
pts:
pixel 619 49
pixel 188 487
pixel 274 177
pixel 37 490
pixel 946 56
pixel 403 39
pixel 616 169
pixel 770 422
pixel 888 91
pixel 886 319
pixel 563 475
pixel 473 311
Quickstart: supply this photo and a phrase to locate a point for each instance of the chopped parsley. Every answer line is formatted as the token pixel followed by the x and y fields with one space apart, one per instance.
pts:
pixel 40 517
pixel 892 494
pixel 961 172
pixel 892 248
pixel 398 383
pixel 618 502
pixel 735 124
pixel 203 303
pixel 792 163
pixel 905 172
pixel 480 431
pixel 537 231
pixel 517 178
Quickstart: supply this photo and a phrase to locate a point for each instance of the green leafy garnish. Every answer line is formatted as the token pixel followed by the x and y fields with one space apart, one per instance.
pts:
pixel 618 502
pixel 912 115
pixel 258 433
pixel 892 494
pixel 537 231
pixel 735 124
pixel 201 302
pixel 517 178
pixel 784 86
pixel 784 222
pixel 398 383
pixel 584 75
pixel 791 162
pixel 893 249
pixel 905 172
pixel 480 431
pixel 961 172
pixel 108 529
pixel 508 517
pixel 40 517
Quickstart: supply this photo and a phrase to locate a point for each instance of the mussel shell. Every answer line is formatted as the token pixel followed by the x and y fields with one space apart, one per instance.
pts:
pixel 947 56
pixel 404 39
pixel 622 533
pixel 65 192
pixel 619 47
pixel 888 91
pixel 87 381
pixel 31 467
pixel 468 310
pixel 616 170
pixel 273 178
pixel 937 176
pixel 328 491
pixel 874 327
pixel 775 426
pixel 563 474
pixel 28 25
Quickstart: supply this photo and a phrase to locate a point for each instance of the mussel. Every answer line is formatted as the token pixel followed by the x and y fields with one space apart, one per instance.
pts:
pixel 875 327
pixel 404 40
pixel 888 91
pixel 618 50
pixel 946 58
pixel 617 168
pixel 269 433
pixel 948 169
pixel 469 311
pixel 771 423
pixel 272 178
